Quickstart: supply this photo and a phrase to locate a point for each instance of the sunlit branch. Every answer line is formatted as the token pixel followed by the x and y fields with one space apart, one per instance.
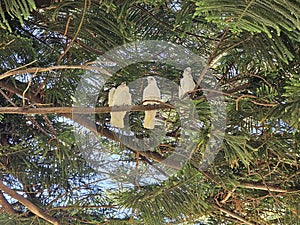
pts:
pixel 40 69
pixel 81 110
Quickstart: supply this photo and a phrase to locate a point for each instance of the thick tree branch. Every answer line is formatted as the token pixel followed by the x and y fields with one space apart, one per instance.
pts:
pixel 99 130
pixel 155 156
pixel 15 90
pixel 5 205
pixel 33 208
pixel 81 110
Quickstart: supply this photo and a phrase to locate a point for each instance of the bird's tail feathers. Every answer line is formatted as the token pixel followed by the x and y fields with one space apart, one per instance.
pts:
pixel 149 121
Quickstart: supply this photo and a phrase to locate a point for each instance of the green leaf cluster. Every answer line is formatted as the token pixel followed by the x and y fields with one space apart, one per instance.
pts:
pixel 19 9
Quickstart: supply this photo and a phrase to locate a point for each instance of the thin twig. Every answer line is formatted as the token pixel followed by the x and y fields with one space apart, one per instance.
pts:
pixel 264 104
pixel 76 34
pixel 262 187
pixel 40 69
pixel 136 179
pixel 234 215
pixel 210 59
pixel 23 66
pixel 83 207
pixel 226 198
pixel 260 77
pixel 67 25
pixel 11 88
pixel 50 125
pixel 28 86
pixel 2 45
pixel 253 101
pixel 239 98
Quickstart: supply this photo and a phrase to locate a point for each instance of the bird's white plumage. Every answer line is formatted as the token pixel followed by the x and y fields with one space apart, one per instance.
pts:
pixel 187 83
pixel 151 92
pixel 117 97
pixel 111 96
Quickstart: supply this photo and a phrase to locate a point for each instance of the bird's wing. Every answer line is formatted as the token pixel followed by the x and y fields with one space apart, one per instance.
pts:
pixel 151 92
pixel 117 119
pixel 126 94
pixel 149 121
pixel 122 96
pixel 180 91
pixel 111 96
pixel 188 84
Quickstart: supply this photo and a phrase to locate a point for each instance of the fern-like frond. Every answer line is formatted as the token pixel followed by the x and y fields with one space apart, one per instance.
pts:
pixel 178 199
pixel 289 109
pixel 254 16
pixel 19 9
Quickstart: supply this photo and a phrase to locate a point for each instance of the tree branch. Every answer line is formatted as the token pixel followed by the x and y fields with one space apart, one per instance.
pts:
pixel 33 208
pixel 64 208
pixel 229 194
pixel 210 59
pixel 6 206
pixel 40 69
pixel 81 110
pixel 262 187
pixel 233 215
pixel 76 33
pixel 99 130
pixel 15 90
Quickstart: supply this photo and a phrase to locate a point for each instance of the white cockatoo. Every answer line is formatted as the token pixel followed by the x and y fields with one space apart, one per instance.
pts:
pixel 187 83
pixel 151 92
pixel 117 97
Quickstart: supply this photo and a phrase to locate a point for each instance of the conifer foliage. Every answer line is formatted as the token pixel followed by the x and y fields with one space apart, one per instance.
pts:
pixel 251 47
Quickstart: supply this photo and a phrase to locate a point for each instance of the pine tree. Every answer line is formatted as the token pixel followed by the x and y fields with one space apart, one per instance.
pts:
pixel 251 49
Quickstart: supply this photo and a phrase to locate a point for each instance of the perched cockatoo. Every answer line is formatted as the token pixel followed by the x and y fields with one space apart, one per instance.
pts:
pixel 186 83
pixel 118 97
pixel 151 92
